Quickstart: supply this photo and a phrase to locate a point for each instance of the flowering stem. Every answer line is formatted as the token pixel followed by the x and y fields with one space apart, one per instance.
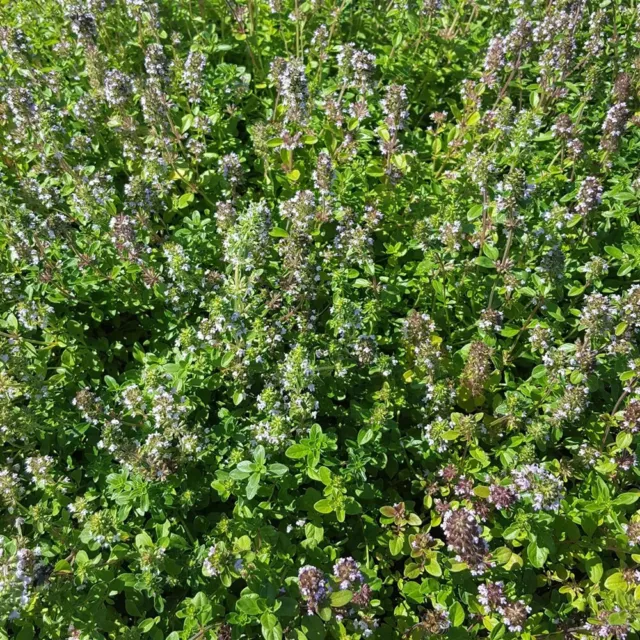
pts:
pixel 18 337
pixel 614 39
pixel 505 255
pixel 186 530
pixel 525 326
pixel 420 34
pixel 342 90
pixel 297 29
pixel 200 634
pixel 505 87
pixel 623 395
pixel 337 14
pixel 483 229
pixel 555 158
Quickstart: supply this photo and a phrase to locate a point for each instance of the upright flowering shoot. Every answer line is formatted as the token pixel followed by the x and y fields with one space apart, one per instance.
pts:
pixel 535 483
pixel 347 573
pixel 313 587
pixel 394 106
pixel 464 537
pixel 291 83
pixel 355 68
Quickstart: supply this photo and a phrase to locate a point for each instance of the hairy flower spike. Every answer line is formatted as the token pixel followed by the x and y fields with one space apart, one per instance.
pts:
pixel 356 67
pixel 478 367
pixel 514 615
pixel 313 587
pixel 535 483
pixel 324 174
pixel 494 61
pixel 589 196
pixel 192 77
pixel 491 595
pixel 464 538
pixel 436 621
pixel 394 106
pixel 347 573
pixel 613 127
pixel 118 88
pixel 291 82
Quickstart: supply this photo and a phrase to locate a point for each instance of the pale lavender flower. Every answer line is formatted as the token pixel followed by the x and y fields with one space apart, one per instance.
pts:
pixel 313 587
pixel 540 486
pixel 347 572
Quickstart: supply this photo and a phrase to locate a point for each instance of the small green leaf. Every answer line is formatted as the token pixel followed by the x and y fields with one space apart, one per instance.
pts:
pixel 433 567
pixel 271 629
pixel 616 582
pixel 26 633
pixel 243 543
pixel 481 491
pixel 278 469
pixel 323 506
pixel 412 591
pixel 594 569
pixel 412 570
pixel 111 383
pixel 627 498
pixel 242 471
pixel 623 440
pixel 474 212
pixel 617 618
pixel 615 252
pixel 227 358
pixel 187 121
pixel 456 614
pixel 146 625
pixel 621 328
pixel 574 220
pixel 268 620
pixel 325 476
pixel 483 261
pixel 576 290
pixel 62 566
pixel 375 170
pixel 537 555
pixel 253 485
pixel 491 252
pixel 184 200
pixel 279 232
pixel 340 598
pixel 297 451
pixel 364 436
pixel 143 540
pixel 325 613
pixel 396 543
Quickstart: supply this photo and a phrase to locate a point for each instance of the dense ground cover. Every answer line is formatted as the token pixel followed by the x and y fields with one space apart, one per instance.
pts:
pixel 318 319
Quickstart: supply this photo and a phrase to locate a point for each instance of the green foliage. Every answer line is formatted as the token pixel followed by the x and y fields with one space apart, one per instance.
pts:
pixel 319 319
